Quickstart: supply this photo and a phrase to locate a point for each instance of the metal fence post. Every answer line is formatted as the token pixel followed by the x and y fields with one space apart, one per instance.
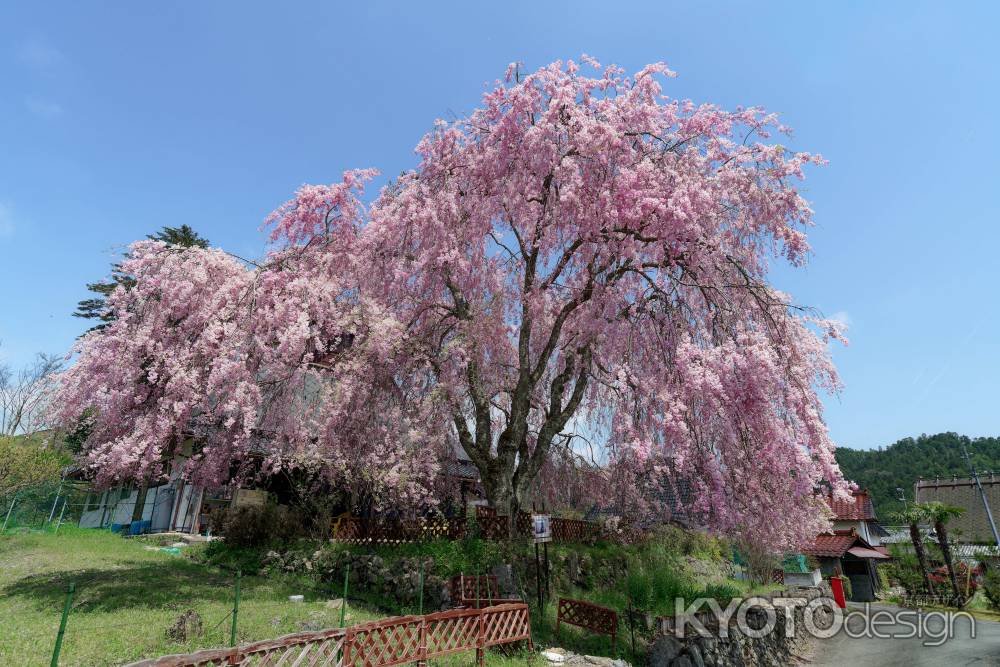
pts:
pixel 55 502
pixel 631 623
pixel 236 609
pixel 7 518
pixel 421 608
pixel 62 625
pixel 343 601
pixel 61 513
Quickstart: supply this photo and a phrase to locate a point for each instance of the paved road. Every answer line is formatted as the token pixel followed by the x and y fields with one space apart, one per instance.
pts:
pixel 842 650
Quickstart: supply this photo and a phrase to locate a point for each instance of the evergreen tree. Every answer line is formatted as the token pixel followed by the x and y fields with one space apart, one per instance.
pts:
pixel 901 464
pixel 95 307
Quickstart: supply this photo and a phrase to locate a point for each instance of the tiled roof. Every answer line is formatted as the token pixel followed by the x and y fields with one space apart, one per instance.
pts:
pixel 975 551
pixel 832 545
pixel 859 508
pixel 673 497
pixel 461 468
pixel 901 534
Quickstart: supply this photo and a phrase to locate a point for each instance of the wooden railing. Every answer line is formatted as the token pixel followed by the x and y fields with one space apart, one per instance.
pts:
pixel 392 641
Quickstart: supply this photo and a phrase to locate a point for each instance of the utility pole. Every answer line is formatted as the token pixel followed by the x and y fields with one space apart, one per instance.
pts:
pixel 982 494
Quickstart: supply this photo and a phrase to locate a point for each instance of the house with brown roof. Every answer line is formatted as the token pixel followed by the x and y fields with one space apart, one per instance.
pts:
pixel 853 548
pixel 858 513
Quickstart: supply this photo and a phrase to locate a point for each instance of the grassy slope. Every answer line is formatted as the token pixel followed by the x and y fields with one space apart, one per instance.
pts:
pixel 127 597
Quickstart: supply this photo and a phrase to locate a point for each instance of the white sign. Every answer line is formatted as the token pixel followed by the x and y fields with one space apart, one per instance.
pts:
pixel 542 527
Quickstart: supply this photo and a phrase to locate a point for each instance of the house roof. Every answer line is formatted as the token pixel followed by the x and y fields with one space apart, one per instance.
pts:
pixel 836 544
pixel 461 468
pixel 970 552
pixel 862 552
pixel 858 508
pixel 901 534
pixel 832 545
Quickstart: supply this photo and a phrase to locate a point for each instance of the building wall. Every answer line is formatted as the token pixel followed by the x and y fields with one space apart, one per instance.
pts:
pixel 160 508
pixel 861 528
pixel 972 526
pixel 114 506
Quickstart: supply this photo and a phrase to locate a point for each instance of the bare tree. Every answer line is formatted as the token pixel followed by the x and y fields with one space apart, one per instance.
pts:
pixel 25 393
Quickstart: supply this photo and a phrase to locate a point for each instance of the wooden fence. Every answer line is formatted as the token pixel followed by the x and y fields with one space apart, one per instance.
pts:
pixel 354 530
pixel 588 616
pixel 392 641
pixel 473 591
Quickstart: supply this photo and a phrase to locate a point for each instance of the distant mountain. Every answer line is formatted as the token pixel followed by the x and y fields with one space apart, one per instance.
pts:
pixel 900 464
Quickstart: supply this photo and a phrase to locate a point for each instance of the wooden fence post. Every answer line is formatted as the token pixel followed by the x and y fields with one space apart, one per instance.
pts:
pixel 422 661
pixel 480 651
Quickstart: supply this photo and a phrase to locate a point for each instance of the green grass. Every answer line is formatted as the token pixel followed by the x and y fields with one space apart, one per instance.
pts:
pixel 127 596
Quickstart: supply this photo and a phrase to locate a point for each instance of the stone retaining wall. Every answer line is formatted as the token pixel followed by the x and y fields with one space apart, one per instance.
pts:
pixel 738 649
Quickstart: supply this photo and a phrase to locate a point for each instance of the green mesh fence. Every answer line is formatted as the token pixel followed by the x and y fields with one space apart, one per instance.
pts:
pixel 44 507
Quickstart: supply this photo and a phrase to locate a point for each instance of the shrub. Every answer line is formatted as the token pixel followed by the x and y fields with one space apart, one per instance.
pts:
pixel 258 526
pixel 723 593
pixel 991 587
pixel 220 554
pixel 24 464
pixel 639 589
pixel 688 542
pixel 904 570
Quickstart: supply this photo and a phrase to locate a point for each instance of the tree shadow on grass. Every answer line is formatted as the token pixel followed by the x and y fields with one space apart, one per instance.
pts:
pixel 134 585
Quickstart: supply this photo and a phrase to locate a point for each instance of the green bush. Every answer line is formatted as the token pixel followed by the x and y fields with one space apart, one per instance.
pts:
pixel 258 526
pixel 991 587
pixel 904 571
pixel 25 464
pixel 723 593
pixel 228 557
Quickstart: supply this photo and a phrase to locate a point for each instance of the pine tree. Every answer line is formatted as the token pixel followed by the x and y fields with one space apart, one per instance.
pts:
pixel 95 307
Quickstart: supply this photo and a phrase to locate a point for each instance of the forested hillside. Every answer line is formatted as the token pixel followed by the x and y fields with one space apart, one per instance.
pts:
pixel 882 470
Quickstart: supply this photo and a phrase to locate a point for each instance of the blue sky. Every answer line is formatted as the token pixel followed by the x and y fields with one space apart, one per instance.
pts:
pixel 118 118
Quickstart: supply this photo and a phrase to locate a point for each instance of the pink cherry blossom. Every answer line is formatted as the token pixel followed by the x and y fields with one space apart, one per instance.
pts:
pixel 580 256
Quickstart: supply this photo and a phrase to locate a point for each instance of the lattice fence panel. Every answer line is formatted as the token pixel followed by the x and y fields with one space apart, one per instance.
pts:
pixel 354 530
pixel 506 623
pixel 326 652
pixel 393 641
pixel 587 616
pixel 451 632
pixel 484 586
pixel 364 531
